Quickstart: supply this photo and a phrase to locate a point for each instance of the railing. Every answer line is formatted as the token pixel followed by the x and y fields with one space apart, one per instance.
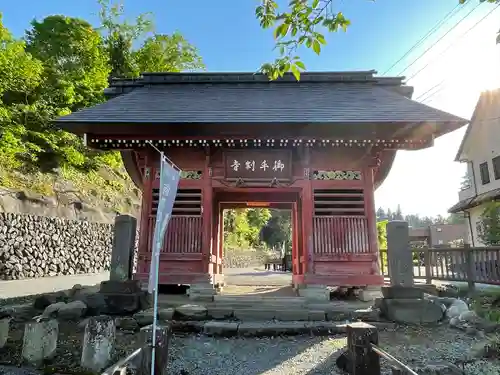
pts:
pixel 141 359
pixel 363 353
pixel 340 234
pixel 466 264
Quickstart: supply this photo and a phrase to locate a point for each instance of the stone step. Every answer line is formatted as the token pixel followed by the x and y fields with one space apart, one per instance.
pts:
pixel 227 328
pixel 257 299
pixel 289 314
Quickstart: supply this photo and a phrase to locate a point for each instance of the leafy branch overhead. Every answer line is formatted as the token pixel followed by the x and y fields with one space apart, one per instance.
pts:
pixel 303 23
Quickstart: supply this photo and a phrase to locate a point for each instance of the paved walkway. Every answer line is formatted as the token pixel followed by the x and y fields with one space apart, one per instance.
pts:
pixel 27 287
pixel 233 276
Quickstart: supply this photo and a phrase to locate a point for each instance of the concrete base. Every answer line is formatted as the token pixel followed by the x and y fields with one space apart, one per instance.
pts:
pixel 122 297
pixel 202 292
pixel 402 292
pixel 314 292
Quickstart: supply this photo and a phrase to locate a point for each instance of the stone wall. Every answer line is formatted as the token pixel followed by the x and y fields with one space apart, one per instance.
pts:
pixel 37 246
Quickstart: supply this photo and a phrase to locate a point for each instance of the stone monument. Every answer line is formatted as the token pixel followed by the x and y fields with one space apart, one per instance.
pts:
pixel 122 294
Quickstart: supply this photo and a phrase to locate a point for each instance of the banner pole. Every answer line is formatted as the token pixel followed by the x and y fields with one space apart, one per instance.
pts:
pixel 155 298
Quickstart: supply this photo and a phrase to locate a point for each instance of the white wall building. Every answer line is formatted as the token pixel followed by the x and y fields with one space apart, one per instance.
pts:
pixel 480 149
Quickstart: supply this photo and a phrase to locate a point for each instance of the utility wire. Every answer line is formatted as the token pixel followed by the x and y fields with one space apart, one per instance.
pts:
pixel 451 45
pixel 428 91
pixel 429 33
pixel 432 46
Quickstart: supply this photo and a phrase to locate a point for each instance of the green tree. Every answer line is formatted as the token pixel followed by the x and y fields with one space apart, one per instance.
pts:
pixel 20 76
pixel 167 53
pixel 157 53
pixel 75 61
pixel 488 226
pixel 119 36
pixel 278 229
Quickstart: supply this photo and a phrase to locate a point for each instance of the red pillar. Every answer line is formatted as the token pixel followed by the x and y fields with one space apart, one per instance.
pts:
pixel 371 218
pixel 207 202
pixel 145 231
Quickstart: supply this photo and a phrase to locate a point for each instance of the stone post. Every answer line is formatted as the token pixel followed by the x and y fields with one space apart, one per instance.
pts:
pixel 122 254
pixel 98 343
pixel 40 340
pixel 399 255
pixel 4 331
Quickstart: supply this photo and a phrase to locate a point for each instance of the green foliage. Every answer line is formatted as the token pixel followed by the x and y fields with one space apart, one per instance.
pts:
pixel 242 227
pixel 278 230
pixel 382 234
pixel 303 23
pixel 62 65
pixel 167 53
pixel 488 226
pixel 157 53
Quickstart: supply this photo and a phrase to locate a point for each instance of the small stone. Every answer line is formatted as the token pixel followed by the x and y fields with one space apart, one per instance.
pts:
pixel 192 312
pixel 471 331
pixel 72 311
pixel 145 317
pixel 166 313
pixel 44 301
pixel 457 308
pixel 52 310
pixel 126 323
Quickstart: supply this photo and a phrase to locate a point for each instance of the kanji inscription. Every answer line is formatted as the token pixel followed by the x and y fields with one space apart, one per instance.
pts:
pixel 258 165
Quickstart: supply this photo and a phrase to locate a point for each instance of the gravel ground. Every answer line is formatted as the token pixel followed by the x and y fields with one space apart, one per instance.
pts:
pixel 304 355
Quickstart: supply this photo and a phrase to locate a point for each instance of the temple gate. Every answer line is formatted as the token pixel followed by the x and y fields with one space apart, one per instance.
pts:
pixel 320 147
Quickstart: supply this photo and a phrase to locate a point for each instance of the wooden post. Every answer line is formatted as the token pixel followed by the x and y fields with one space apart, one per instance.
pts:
pixel 207 204
pixel 364 361
pixel 471 268
pixel 163 334
pixel 428 266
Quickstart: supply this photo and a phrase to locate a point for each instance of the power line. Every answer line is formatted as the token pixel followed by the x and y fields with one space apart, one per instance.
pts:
pixel 429 33
pixel 428 91
pixel 451 45
pixel 432 46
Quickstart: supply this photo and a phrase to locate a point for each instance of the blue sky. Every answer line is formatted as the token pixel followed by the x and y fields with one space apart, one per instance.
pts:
pixel 229 39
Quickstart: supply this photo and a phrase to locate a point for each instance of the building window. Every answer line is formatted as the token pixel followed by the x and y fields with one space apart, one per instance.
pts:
pixel 485 173
pixel 496 167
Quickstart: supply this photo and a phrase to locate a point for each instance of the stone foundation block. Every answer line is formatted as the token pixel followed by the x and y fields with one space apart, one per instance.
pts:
pixel 215 328
pixel 254 314
pixel 272 329
pixel 317 315
pixel 412 311
pixel 315 293
pixel 292 315
pixel 220 312
pixel 402 292
pixel 40 340
pixel 120 287
pixel 98 343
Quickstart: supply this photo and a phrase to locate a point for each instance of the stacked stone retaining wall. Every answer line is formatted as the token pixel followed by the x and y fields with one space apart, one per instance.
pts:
pixel 38 246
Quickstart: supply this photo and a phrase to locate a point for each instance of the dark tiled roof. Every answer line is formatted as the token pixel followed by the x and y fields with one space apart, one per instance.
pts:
pixel 475 201
pixel 248 98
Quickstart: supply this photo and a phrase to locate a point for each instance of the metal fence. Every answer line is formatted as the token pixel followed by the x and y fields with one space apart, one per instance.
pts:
pixel 466 264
